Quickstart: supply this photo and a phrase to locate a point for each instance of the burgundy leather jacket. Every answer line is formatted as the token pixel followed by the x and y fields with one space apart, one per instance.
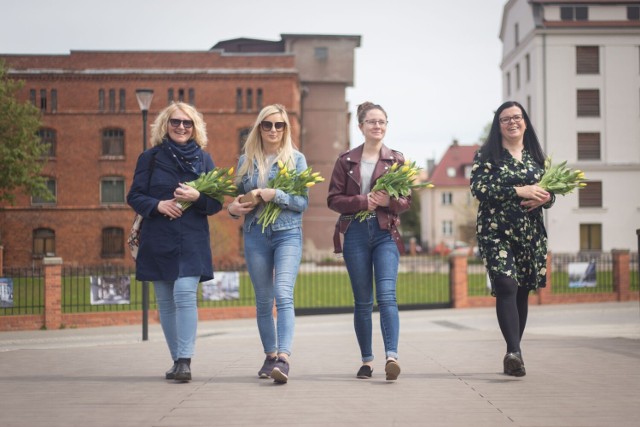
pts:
pixel 345 198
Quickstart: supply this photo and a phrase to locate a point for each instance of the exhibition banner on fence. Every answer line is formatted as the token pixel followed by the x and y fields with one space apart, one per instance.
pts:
pixel 223 287
pixel 110 290
pixel 6 292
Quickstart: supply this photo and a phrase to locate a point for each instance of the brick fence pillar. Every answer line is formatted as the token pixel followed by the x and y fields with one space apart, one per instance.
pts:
pixel 458 281
pixel 52 292
pixel 621 279
pixel 1 261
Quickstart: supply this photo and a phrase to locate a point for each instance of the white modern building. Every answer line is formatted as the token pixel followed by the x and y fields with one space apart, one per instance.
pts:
pixel 575 67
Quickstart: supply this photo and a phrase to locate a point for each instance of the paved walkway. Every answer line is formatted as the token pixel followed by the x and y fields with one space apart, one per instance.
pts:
pixel 583 369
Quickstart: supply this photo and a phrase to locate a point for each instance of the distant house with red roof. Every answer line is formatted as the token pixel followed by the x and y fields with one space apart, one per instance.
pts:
pixel 448 211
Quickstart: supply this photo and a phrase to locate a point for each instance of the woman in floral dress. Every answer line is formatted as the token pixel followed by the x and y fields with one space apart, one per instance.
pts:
pixel 511 235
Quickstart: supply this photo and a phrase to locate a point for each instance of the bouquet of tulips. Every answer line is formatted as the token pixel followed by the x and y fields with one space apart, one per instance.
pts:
pixel 559 179
pixel 216 184
pixel 291 182
pixel 398 182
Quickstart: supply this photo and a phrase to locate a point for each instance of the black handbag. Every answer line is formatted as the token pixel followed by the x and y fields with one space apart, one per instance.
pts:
pixel 134 235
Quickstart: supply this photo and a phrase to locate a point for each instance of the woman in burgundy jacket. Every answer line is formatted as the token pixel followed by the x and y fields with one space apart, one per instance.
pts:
pixel 372 246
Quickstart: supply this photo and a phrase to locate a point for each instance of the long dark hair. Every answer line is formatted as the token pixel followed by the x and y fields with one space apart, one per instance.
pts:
pixel 491 150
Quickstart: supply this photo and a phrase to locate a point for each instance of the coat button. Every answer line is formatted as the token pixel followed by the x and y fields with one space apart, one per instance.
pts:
pixel 349 158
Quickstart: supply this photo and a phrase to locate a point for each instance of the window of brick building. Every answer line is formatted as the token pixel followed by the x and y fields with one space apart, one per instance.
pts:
pixel 633 13
pixel 113 142
pixel 50 183
pixel 112 242
pixel 239 99
pixel 32 96
pixel 169 96
pixel 588 145
pixel 112 100
pixel 101 100
pixel 591 195
pixel 43 100
pixel 249 99
pixel 54 100
pixel 588 101
pixel 590 237
pixel 587 59
pixel 123 101
pixel 321 53
pixel 44 242
pixel 112 190
pixel 259 99
pixel 574 13
pixel 192 96
pixel 180 95
pixel 48 137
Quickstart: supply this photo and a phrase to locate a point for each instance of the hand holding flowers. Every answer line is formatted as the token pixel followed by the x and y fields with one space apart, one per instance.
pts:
pixel 216 184
pixel 290 182
pixel 559 179
pixel 398 182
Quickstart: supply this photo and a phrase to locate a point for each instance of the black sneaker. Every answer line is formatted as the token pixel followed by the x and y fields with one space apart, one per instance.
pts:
pixel 267 367
pixel 392 369
pixel 364 372
pixel 171 373
pixel 514 365
pixel 280 372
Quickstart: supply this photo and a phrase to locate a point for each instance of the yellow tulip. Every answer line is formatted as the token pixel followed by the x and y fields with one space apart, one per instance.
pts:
pixel 405 168
pixel 230 171
pixel 319 179
pixel 310 184
pixel 280 164
pixel 394 167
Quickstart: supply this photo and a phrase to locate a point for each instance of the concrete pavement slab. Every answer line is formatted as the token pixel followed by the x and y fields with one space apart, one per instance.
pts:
pixel 583 369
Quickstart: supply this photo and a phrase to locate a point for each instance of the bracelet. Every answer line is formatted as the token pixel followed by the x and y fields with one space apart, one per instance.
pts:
pixel 232 215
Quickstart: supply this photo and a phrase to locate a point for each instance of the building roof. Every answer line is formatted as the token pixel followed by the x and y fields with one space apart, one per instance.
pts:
pixel 456 159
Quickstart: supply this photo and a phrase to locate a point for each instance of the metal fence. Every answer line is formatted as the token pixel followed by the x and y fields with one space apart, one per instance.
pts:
pixel 26 295
pixel 322 286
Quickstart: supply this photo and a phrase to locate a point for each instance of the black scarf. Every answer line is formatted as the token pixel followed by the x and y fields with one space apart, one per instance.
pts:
pixel 187 156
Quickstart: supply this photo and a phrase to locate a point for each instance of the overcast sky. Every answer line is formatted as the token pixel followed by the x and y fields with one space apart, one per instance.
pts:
pixel 433 65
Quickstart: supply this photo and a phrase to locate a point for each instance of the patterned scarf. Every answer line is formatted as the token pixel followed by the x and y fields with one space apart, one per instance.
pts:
pixel 187 156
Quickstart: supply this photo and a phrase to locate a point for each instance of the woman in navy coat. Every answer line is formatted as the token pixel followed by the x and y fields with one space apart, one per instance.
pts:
pixel 175 249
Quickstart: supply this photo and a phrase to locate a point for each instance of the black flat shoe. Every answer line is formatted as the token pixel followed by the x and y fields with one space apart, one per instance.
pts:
pixel 514 365
pixel 183 372
pixel 364 372
pixel 171 373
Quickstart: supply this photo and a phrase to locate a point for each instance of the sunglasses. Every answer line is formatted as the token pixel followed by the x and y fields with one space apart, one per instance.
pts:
pixel 266 125
pixel 188 124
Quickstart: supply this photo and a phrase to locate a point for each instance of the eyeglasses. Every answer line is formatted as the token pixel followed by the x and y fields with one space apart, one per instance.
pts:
pixel 506 120
pixel 376 122
pixel 188 124
pixel 266 125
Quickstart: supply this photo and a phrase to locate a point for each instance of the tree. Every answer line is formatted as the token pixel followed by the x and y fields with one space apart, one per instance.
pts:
pixel 22 154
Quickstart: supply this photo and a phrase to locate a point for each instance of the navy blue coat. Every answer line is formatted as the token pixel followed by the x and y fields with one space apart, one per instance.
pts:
pixel 170 248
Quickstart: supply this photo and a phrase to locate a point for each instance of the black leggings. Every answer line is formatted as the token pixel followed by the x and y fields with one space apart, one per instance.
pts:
pixel 512 307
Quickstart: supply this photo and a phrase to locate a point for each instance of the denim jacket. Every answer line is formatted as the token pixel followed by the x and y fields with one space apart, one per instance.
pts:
pixel 292 206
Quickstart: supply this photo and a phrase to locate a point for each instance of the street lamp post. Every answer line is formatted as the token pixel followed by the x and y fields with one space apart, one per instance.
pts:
pixel 144 97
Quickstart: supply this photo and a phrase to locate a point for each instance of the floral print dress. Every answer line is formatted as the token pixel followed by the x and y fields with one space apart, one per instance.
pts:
pixel 512 241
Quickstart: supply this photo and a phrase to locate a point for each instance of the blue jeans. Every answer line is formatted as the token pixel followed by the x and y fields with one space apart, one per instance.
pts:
pixel 273 259
pixel 370 251
pixel 178 309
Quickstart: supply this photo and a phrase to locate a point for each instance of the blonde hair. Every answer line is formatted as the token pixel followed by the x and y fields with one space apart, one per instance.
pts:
pixel 161 123
pixel 254 151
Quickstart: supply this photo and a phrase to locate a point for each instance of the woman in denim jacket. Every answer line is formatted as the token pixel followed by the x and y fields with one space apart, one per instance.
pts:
pixel 372 246
pixel 273 256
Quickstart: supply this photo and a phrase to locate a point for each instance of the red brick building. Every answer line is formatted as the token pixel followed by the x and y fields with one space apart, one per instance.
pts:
pixel 91 117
